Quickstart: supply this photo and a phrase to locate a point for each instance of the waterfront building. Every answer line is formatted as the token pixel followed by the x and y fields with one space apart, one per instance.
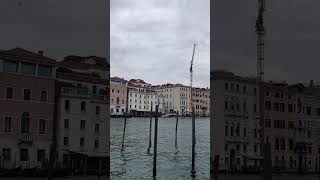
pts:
pixel 291 124
pixel 141 97
pixel 83 113
pixel 176 97
pixel 118 96
pixel 27 95
pixel 201 101
pixel 234 124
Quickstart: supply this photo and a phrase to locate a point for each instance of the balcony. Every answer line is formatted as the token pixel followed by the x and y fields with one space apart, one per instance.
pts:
pixel 25 138
pixel 82 93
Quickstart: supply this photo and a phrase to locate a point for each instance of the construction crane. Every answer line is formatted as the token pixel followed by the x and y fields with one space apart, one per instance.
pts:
pixel 193 171
pixel 266 146
pixel 191 71
pixel 260 30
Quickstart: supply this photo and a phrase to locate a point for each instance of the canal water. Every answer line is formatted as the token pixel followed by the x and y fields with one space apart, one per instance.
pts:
pixel 135 163
pixel 274 177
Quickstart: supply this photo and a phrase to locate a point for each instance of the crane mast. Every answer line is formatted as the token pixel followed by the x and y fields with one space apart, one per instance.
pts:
pixel 260 30
pixel 266 146
pixel 191 72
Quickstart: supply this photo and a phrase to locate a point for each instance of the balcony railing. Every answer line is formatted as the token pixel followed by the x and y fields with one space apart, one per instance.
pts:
pixel 83 93
pixel 25 138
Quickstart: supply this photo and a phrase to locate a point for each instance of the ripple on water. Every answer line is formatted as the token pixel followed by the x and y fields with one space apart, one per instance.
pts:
pixel 135 163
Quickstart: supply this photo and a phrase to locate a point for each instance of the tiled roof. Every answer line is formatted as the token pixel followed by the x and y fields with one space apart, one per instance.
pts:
pixel 79 62
pixel 118 79
pixel 19 54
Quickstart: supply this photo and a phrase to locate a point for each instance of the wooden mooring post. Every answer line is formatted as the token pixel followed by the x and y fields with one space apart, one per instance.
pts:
pixel 193 171
pixel 176 133
pixel 155 143
pixel 150 130
pixel 124 129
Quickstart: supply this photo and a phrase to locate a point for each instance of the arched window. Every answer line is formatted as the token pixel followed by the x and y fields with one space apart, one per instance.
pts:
pixel 25 122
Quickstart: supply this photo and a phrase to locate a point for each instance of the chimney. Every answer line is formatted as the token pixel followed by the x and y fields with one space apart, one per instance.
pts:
pixel 311 83
pixel 40 52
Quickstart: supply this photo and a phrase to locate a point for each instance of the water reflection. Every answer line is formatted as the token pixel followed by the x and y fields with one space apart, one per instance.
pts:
pixel 135 163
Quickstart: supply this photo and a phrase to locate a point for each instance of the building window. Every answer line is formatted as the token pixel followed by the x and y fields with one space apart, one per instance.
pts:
pixel 81 142
pixel 9 93
pixel 226 86
pixel 226 104
pixel 7 124
pixel 268 123
pixel 268 105
pixel 244 132
pixel 27 68
pixel 231 130
pixel 66 123
pixel 118 100
pixel 97 128
pixel 282 144
pixel 282 108
pixel 96 143
pixel 276 106
pixel 41 155
pixel 26 94
pixel 25 122
pixel 82 124
pixel 6 154
pixel 238 131
pixel 244 148
pixel 94 89
pixel 67 105
pixel 97 110
pixel 24 155
pixel 290 144
pixel 290 107
pixel 66 141
pixel 83 106
pixel 244 107
pixel 10 66
pixel 255 148
pixel 42 126
pixel 308 110
pixel 276 144
pixel 43 96
pixel 44 70
pixel 226 130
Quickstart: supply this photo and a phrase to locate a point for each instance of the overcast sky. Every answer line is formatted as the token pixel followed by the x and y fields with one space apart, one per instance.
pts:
pixel 153 40
pixel 59 27
pixel 292 39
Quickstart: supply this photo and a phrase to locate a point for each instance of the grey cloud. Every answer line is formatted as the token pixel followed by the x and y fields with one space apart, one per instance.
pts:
pixel 153 40
pixel 291 47
pixel 58 27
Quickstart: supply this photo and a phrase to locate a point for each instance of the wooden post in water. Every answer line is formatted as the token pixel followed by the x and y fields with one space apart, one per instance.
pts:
pixel 155 143
pixel 176 141
pixel 124 129
pixel 125 121
pixel 150 129
pixel 193 171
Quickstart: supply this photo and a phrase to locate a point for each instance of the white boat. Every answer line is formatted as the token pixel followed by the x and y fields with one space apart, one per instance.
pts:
pixel 169 115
